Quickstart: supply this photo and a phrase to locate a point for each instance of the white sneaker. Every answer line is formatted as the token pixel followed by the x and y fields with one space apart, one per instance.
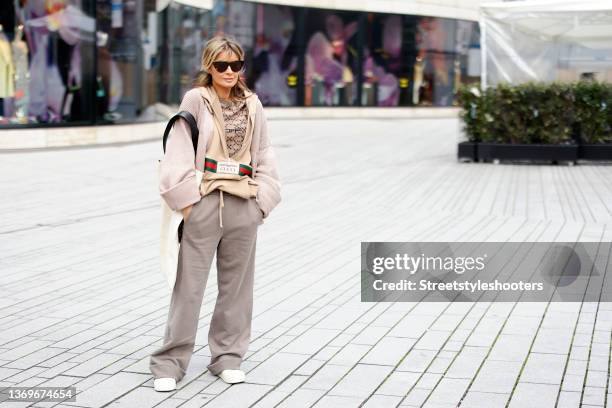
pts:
pixel 164 384
pixel 232 376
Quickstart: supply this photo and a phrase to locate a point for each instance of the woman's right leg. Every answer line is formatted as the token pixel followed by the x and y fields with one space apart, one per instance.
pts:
pixel 201 235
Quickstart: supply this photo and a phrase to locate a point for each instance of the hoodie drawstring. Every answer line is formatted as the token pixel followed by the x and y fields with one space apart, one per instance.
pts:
pixel 221 204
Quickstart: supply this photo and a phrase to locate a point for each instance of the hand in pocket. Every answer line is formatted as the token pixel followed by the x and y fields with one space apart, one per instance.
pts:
pixel 186 211
pixel 259 211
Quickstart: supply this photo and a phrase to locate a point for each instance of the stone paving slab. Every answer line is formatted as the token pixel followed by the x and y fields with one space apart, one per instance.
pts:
pixel 82 301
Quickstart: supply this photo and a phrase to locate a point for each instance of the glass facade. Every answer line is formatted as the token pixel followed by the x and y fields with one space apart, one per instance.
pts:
pixel 75 62
pixel 331 59
pixel 387 52
pixel 46 67
pixel 442 57
pixel 126 74
pixel 417 61
pixel 186 30
pixel 274 70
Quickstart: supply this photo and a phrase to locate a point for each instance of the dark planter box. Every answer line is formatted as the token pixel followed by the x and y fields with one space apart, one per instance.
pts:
pixel 601 152
pixel 466 151
pixel 531 152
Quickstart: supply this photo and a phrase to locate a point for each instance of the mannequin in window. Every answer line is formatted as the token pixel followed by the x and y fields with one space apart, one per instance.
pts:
pixel 22 75
pixel 418 80
pixel 7 70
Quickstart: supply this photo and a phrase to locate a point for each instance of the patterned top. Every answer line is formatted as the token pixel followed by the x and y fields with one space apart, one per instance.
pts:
pixel 235 116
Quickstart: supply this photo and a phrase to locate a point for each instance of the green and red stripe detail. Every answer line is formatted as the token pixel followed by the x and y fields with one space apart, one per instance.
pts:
pixel 243 169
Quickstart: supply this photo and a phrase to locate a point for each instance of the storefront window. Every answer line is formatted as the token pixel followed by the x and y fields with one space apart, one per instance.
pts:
pixel 331 58
pixel 125 82
pixel 446 57
pixel 65 62
pixel 275 60
pixel 237 19
pixel 46 49
pixel 434 62
pixel 467 55
pixel 385 65
pixel 187 30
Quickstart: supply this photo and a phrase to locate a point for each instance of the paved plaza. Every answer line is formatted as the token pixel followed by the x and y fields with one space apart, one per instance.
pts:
pixel 83 303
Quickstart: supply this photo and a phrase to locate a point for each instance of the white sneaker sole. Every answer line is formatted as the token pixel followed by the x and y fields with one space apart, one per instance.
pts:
pixel 164 384
pixel 232 376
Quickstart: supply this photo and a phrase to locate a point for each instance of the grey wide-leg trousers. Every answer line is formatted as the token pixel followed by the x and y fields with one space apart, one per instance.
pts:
pixel 230 328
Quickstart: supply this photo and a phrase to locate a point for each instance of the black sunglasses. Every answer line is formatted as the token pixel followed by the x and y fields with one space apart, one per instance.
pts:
pixel 221 66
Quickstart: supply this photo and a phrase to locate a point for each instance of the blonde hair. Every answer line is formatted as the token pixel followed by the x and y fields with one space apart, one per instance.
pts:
pixel 212 49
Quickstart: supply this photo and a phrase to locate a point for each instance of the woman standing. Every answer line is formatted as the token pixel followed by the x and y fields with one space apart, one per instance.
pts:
pixel 239 189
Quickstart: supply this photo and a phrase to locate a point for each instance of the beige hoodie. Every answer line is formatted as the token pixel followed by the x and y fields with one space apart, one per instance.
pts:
pixel 241 184
pixel 177 181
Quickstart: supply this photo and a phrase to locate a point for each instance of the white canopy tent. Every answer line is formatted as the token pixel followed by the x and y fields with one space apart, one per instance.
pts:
pixel 545 40
pixel 203 4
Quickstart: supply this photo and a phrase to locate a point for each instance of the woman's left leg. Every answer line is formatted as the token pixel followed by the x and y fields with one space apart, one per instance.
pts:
pixel 230 327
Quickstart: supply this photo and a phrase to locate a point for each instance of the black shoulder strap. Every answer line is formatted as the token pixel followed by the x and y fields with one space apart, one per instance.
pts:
pixel 192 124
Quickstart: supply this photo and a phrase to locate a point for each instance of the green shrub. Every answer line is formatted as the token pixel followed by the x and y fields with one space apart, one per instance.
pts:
pixel 472 112
pixel 537 112
pixel 593 111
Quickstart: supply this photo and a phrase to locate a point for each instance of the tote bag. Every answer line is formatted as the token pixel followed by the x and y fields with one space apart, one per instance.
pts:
pixel 172 221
